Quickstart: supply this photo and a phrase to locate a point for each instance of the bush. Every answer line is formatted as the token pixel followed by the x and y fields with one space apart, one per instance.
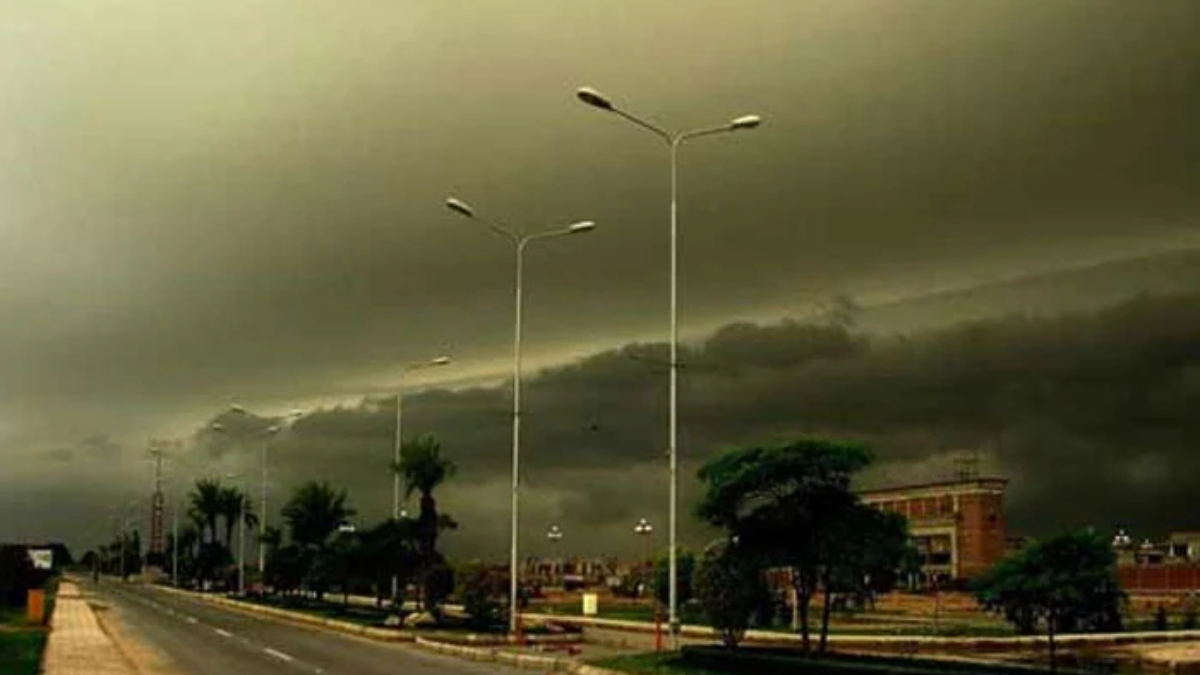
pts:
pixel 1189 615
pixel 1160 618
pixel 482 595
pixel 755 660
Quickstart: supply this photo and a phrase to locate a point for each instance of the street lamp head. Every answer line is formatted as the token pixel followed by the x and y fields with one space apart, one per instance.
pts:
pixel 593 98
pixel 745 122
pixel 581 227
pixel 460 207
pixel 440 361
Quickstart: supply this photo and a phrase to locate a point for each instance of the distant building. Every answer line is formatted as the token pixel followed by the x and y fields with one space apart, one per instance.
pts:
pixel 957 525
pixel 1170 565
pixel 1184 546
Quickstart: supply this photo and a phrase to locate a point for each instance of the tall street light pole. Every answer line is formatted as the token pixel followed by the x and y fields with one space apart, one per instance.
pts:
pixel 271 432
pixel 399 442
pixel 519 242
pixel 555 535
pixel 673 140
pixel 241 533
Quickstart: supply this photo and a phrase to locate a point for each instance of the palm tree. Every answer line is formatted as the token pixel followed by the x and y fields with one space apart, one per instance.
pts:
pixel 314 513
pixel 424 468
pixel 232 504
pixel 206 505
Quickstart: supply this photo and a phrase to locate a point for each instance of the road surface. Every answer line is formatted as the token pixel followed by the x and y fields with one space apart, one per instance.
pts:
pixel 196 638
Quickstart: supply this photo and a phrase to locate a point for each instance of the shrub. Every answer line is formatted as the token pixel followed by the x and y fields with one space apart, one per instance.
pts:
pixel 482 595
pixel 1160 618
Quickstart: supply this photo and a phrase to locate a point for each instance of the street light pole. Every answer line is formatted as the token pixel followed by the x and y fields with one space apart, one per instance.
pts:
pixel 271 431
pixel 674 141
pixel 399 442
pixel 555 535
pixel 519 241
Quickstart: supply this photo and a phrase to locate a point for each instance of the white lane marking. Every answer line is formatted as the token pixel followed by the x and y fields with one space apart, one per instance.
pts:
pixel 223 633
pixel 277 654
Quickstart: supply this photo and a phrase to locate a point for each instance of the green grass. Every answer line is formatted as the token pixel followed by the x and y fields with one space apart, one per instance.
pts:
pixel 21 651
pixel 651 663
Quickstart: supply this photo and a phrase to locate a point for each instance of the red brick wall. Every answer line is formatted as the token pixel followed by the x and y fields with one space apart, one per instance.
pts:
pixel 980 533
pixel 1159 577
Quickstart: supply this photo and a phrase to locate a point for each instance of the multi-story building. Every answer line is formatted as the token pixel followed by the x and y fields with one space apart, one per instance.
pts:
pixel 957 525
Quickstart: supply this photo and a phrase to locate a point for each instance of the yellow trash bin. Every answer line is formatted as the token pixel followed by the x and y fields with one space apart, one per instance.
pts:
pixel 35 606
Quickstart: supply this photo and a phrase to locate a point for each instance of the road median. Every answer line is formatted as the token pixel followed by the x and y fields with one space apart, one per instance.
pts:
pixel 296 618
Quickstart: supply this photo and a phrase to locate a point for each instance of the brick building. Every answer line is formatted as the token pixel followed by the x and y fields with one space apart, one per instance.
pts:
pixel 958 525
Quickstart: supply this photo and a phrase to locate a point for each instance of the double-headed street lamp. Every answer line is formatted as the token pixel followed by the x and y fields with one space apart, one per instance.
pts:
pixel 399 441
pixel 519 241
pixel 673 140
pixel 271 431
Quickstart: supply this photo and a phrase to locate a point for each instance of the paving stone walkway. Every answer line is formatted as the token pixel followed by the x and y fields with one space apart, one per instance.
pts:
pixel 77 645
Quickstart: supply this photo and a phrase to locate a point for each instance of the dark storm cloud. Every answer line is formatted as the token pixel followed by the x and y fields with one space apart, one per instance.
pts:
pixel 1097 405
pixel 226 201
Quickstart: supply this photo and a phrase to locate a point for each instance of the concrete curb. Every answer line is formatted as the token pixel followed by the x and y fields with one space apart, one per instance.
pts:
pixel 889 642
pixel 295 618
pixel 525 661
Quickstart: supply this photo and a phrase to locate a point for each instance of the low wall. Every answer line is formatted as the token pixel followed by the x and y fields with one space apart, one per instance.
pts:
pixel 1162 578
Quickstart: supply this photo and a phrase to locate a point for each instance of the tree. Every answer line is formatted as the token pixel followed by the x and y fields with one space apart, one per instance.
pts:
pixel 205 505
pixel 315 512
pixel 1067 583
pixel 730 587
pixel 686 565
pixel 437 583
pixel 869 550
pixel 233 503
pixel 424 469
pixel 786 505
pixel 389 549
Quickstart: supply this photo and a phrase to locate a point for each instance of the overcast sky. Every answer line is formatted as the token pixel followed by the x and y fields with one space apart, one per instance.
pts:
pixel 226 201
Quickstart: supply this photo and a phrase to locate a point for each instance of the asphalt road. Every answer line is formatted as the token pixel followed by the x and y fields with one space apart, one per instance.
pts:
pixel 201 639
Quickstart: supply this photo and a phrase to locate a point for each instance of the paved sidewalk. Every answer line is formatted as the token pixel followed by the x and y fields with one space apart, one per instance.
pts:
pixel 77 645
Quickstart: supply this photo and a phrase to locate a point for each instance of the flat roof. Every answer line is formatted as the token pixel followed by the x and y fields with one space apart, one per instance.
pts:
pixel 955 483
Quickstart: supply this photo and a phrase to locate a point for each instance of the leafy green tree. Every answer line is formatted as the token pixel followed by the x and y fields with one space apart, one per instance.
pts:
pixel 389 549
pixel 787 506
pixel 1066 583
pixel 424 468
pixel 686 566
pixel 730 588
pixel 205 505
pixel 233 503
pixel 870 550
pixel 314 513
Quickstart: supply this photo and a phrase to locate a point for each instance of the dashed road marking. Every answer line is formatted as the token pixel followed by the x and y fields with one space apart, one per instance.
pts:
pixel 223 633
pixel 278 654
